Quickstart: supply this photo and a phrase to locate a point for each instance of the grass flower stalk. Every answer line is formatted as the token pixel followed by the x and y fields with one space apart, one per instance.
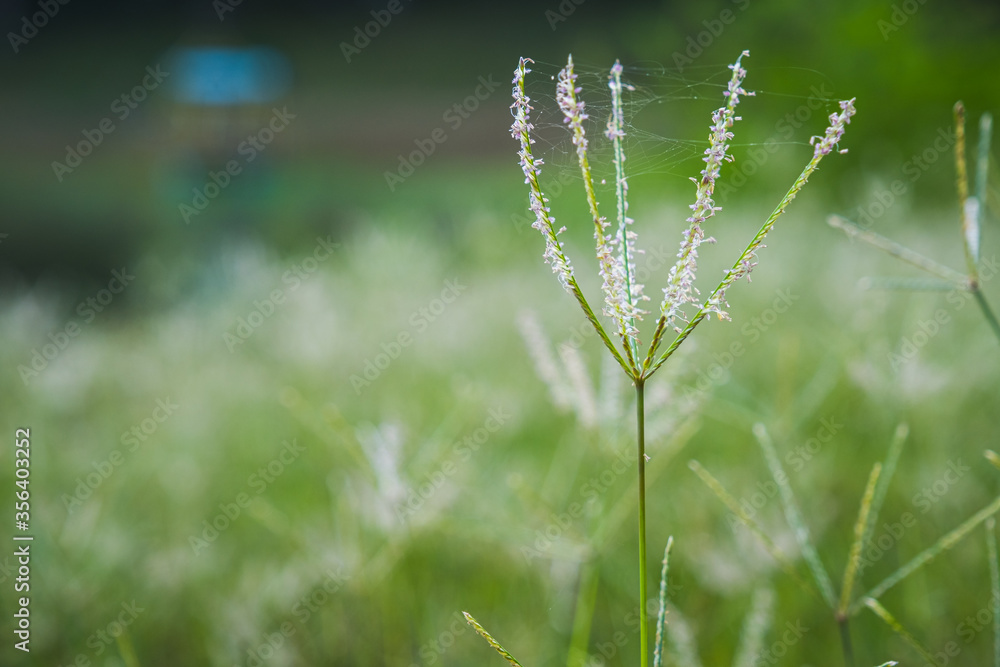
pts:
pixel 616 252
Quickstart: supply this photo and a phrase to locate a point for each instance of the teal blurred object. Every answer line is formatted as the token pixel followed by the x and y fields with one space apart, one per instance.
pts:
pixel 222 75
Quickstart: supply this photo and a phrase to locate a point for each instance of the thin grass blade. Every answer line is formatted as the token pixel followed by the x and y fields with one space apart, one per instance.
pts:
pixel 906 284
pixel 987 311
pixel 489 639
pixel 755 627
pixel 859 535
pixel 928 554
pixel 126 650
pixel 897 627
pixel 583 615
pixel 885 478
pixel 748 521
pixel 330 427
pixel 969 226
pixel 991 551
pixel 793 516
pixel 661 618
pixel 899 251
pixel 982 173
pixel 625 237
pixel 993 458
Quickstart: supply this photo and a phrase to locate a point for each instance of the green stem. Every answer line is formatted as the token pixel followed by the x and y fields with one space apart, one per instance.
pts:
pixel 640 417
pixel 987 311
pixel 845 639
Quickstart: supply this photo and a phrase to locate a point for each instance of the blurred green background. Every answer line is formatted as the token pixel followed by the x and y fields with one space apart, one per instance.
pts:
pixel 326 362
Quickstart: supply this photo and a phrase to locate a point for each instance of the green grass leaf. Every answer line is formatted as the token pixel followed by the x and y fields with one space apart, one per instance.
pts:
pixel 489 639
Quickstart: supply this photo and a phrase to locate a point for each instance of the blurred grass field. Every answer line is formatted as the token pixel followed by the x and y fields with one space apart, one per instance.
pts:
pixel 350 459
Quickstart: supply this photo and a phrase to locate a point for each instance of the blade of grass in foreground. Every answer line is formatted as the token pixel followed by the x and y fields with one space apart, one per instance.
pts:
pixel 982 171
pixel 748 521
pixel 888 470
pixel 583 615
pixel 859 536
pixel 970 223
pixel 991 550
pixel 489 639
pixel 793 516
pixel 756 625
pixel 906 284
pixel 854 231
pixel 884 614
pixel 661 619
pixel 928 554
pixel 126 650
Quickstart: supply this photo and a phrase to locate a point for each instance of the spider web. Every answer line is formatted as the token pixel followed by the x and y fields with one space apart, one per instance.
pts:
pixel 657 102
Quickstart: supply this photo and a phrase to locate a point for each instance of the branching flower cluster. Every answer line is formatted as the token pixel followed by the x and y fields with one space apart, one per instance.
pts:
pixel 616 253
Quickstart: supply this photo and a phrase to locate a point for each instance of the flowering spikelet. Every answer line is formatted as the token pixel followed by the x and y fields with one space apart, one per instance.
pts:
pixel 628 300
pixel 538 203
pixel 680 287
pixel 748 260
pixel 838 125
pixel 614 284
